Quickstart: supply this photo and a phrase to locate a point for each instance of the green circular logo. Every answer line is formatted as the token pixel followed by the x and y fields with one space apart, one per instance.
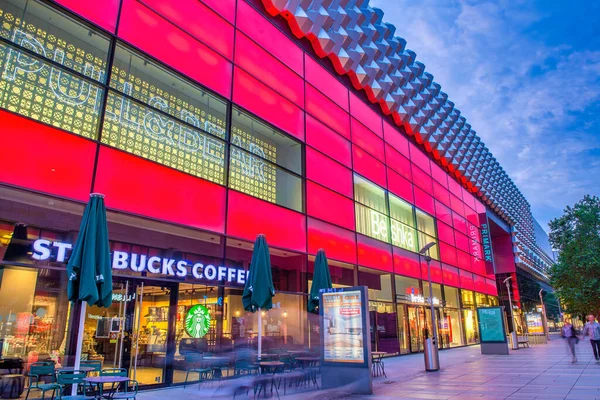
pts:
pixel 197 321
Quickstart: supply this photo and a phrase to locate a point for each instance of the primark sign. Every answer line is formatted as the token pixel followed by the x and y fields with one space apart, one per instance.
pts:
pixel 155 266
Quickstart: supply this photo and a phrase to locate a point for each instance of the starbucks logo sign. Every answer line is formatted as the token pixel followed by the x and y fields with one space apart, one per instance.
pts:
pixel 197 321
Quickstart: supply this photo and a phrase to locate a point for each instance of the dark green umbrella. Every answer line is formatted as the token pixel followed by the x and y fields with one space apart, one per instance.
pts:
pixel 89 270
pixel 259 291
pixel 321 280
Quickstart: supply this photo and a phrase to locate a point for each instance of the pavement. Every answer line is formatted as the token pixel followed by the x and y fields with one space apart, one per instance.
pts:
pixel 540 372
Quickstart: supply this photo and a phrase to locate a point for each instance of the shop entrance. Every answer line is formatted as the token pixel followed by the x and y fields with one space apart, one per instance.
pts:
pixel 419 322
pixel 134 332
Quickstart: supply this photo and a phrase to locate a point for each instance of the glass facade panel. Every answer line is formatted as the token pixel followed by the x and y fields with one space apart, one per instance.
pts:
pixel 406 286
pixel 404 236
pixel 370 195
pixel 451 328
pixel 378 282
pixel 32 86
pixel 254 176
pixel 468 300
pixel 265 142
pixel 424 239
pixel 481 300
pixel 372 223
pixel 451 297
pixel 403 331
pixel 425 223
pixel 384 318
pixel 470 323
pixel 401 211
pixel 437 292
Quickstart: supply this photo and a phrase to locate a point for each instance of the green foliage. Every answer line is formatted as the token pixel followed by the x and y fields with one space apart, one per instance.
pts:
pixel 576 275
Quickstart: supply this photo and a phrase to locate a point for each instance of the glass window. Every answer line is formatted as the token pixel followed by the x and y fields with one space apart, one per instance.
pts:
pixel 403 334
pixel 493 301
pixel 401 211
pixel 481 300
pixel 470 323
pixel 404 236
pixel 437 293
pixel 370 195
pixel 141 130
pixel 143 80
pixel 372 223
pixel 39 90
pixel 468 301
pixel 342 274
pixel 378 282
pixel 406 286
pixel 256 177
pixel 383 316
pixel 425 223
pixel 424 239
pixel 265 142
pixel 451 329
pixel 451 296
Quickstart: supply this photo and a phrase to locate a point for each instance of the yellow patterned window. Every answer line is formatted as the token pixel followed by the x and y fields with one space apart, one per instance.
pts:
pixel 159 116
pixel 33 86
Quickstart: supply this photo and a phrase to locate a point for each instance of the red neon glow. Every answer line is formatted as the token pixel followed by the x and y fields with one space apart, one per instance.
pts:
pixel 339 244
pixel 440 193
pixel 396 139
pixel 101 12
pixel 398 162
pixel 329 206
pixel 463 260
pixel 443 213
pixel 466 280
pixel 38 157
pixel 262 31
pixel 447 253
pixel 450 276
pixel 424 201
pixel 439 175
pixel 419 158
pixel 445 233
pixel 400 186
pixel 326 83
pixel 367 140
pixel 374 254
pixel 368 166
pixel 156 36
pixel 462 241
pixel 457 205
pixel 436 273
pixel 319 136
pixel 264 102
pixel 225 8
pixel 327 111
pixel 248 216
pixel 148 189
pixel 460 224
pixel 364 113
pixel 406 263
pixel 328 173
pixel 421 179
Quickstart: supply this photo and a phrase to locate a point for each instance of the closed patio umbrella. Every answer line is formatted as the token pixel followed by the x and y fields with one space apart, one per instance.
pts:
pixel 89 270
pixel 321 280
pixel 259 291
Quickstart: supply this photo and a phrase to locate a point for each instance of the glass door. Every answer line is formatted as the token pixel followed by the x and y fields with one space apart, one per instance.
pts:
pixel 415 324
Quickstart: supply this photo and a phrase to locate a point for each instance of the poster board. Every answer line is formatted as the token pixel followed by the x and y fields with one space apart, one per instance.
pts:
pixel 535 324
pixel 491 324
pixel 344 326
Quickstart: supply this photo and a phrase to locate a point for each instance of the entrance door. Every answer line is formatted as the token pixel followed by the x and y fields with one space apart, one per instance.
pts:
pixel 133 332
pixel 415 325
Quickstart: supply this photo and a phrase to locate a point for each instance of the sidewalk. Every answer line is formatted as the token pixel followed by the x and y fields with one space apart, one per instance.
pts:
pixel 540 372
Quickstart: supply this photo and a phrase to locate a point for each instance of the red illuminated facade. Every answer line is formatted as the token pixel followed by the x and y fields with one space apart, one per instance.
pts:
pixel 258 135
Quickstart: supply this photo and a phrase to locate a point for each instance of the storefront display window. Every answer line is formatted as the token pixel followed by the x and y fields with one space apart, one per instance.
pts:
pixel 451 329
pixel 481 300
pixel 437 293
pixel 468 299
pixel 403 331
pixel 470 323
pixel 65 96
pixel 451 297
pixel 342 274
pixel 384 327
pixel 405 287
pixel 379 283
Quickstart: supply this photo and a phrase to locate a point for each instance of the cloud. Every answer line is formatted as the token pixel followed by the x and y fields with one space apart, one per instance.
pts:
pixel 531 94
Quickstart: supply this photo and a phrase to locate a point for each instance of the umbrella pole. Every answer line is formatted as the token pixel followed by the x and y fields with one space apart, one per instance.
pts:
pixel 79 343
pixel 259 334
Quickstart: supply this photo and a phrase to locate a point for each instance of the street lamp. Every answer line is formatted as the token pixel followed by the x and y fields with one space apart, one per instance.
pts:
pixel 513 334
pixel 545 317
pixel 432 358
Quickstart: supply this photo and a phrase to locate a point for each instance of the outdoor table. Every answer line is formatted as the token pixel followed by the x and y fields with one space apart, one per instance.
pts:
pixel 378 368
pixel 99 381
pixel 308 361
pixel 217 372
pixel 311 364
pixel 270 368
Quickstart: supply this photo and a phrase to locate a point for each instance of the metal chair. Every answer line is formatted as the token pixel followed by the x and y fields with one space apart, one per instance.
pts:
pixel 113 372
pixel 37 372
pixel 65 378
pixel 88 392
pixel 130 391
pixel 97 365
pixel 193 364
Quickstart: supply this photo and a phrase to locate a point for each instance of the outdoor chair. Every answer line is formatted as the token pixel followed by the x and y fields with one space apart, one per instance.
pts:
pixel 113 372
pixel 194 365
pixel 130 391
pixel 88 392
pixel 97 365
pixel 37 373
pixel 69 378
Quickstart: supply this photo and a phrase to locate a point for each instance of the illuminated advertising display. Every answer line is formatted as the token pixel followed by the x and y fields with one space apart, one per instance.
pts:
pixel 491 324
pixel 535 326
pixel 343 327
pixel 197 321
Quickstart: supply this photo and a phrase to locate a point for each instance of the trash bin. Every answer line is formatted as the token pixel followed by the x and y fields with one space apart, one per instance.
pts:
pixel 432 359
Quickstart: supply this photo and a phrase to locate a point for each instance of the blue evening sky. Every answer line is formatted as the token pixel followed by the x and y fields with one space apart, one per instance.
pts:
pixel 526 75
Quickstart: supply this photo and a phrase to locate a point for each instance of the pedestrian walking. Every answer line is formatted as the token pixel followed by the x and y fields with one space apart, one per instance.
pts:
pixel 569 333
pixel 592 329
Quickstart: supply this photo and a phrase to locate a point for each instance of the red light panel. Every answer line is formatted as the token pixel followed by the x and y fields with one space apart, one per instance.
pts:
pixel 328 173
pixel 445 233
pixel 457 205
pixel 460 224
pixel 374 254
pixel 264 102
pixel 327 111
pixel 339 244
pixel 443 213
pixel 441 193
pixel 225 8
pixel 463 260
pixel 419 158
pixel 368 166
pixel 450 276
pixel 400 186
pixel 421 179
pixel 424 201
pixel 101 12
pixel 263 32
pixel 396 139
pixel 326 83
pixel 329 206
pixel 447 253
pixel 466 280
pixel 491 287
pixel 154 35
pixel 319 136
pixel 367 140
pixel 479 284
pixel 406 263
pixel 159 192
pixel 397 162
pixel 364 113
pixel 436 273
pixel 38 157
pixel 439 175
pixel 248 216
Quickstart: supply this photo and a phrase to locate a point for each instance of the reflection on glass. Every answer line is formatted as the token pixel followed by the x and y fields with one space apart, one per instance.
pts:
pixel 470 323
pixel 451 296
pixel 379 283
pixel 401 211
pixel 384 325
pixel 370 195
pixel 372 223
pixel 425 223
pixel 451 329
pixel 424 239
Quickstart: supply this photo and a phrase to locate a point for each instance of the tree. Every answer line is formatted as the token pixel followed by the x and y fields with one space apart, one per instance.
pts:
pixel 576 275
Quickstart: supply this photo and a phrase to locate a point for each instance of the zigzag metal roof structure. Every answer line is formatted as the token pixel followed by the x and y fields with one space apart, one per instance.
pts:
pixel 360 45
